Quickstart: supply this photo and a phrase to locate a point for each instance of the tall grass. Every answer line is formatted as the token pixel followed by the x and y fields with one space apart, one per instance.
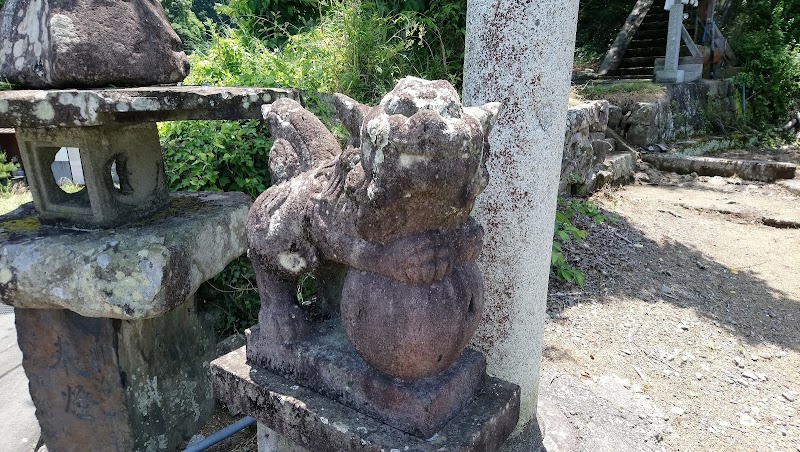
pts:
pixel 13 196
pixel 358 48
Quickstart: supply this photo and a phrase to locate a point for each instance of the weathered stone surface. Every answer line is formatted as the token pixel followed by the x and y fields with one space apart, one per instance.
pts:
pixel 582 154
pixel 74 108
pixel 138 271
pixel 703 106
pixel 616 169
pixel 327 363
pixel 759 170
pixel 117 385
pixel 87 43
pixel 135 152
pixel 320 424
pixel 649 122
pixel 395 202
pixel 412 331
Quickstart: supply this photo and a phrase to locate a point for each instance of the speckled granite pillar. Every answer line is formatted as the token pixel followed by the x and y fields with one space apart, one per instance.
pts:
pixel 520 53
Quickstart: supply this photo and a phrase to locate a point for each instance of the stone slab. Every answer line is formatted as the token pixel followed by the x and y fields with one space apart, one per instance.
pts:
pixel 318 423
pixel 326 362
pixel 792 185
pixel 117 385
pixel 709 166
pixel 75 108
pixel 138 271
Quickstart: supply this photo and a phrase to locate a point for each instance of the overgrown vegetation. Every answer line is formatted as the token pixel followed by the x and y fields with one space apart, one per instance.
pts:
pixel 358 48
pixel 11 195
pixel 766 38
pixel 6 168
pixel 566 232
pixel 185 22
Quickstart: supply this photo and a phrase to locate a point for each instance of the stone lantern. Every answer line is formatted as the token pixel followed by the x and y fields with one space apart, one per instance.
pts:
pixel 103 280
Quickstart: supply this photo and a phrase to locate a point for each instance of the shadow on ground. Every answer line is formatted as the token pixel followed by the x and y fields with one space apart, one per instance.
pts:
pixel 620 261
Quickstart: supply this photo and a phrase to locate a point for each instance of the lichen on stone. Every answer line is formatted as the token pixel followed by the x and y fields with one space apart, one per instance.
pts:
pixel 30 223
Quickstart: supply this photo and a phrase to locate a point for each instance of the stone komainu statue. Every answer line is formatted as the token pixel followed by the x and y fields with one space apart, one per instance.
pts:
pixel 383 223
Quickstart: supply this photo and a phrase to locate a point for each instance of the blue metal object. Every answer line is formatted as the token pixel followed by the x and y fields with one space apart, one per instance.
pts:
pixel 221 435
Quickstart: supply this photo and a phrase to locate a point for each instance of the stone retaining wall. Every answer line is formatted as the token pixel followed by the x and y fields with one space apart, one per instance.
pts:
pixel 685 110
pixel 586 123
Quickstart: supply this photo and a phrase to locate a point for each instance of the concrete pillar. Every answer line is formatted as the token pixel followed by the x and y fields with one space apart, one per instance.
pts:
pixel 520 53
pixel 671 73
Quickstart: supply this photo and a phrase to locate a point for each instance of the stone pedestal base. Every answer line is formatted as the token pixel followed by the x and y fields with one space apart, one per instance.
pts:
pixel 314 422
pixel 689 69
pixel 117 385
pixel 327 363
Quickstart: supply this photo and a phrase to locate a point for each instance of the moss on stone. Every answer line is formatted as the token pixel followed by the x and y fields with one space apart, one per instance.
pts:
pixel 23 224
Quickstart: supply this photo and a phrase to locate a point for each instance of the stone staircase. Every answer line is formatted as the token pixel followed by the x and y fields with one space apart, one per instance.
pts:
pixel 649 43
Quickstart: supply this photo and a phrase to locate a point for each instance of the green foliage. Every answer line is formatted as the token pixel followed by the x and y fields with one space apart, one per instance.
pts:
pixel 216 155
pixel 185 22
pixel 566 232
pixel 310 61
pixel 5 169
pixel 358 49
pixel 270 19
pixel 765 38
pixel 235 294
pixel 224 156
pixel 206 10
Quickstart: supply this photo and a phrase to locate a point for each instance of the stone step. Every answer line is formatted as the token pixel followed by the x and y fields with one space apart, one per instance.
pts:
pixel 653 52
pixel 619 169
pixel 658 33
pixel 642 61
pixel 664 25
pixel 641 43
pixel 656 16
pixel 764 171
pixel 628 71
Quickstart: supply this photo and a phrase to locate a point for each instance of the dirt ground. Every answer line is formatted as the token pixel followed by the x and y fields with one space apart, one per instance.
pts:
pixel 691 304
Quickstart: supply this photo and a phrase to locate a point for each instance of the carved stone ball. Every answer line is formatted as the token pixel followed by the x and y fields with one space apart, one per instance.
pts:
pixel 412 331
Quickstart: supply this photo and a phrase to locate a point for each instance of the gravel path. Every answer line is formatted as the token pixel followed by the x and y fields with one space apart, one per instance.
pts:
pixel 691 311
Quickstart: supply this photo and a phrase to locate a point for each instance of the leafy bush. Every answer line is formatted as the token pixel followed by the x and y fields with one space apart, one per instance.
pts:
pixel 5 169
pixel 765 38
pixel 216 155
pixel 271 20
pixel 185 22
pixel 566 232
pixel 358 49
pixel 224 156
